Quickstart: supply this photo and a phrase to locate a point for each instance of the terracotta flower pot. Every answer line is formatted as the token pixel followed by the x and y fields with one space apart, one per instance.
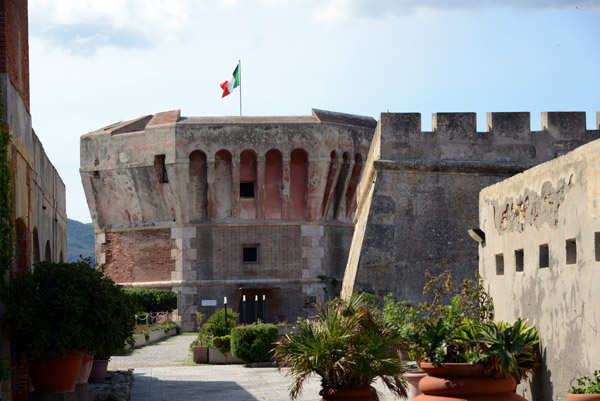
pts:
pixel 86 368
pixel 583 397
pixel 98 373
pixel 57 375
pixel 342 394
pixel 413 379
pixel 465 382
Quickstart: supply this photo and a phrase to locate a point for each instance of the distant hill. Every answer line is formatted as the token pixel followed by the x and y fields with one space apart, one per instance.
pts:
pixel 80 240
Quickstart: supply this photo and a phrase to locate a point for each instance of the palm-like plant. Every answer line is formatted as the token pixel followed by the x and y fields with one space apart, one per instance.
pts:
pixel 506 349
pixel 349 344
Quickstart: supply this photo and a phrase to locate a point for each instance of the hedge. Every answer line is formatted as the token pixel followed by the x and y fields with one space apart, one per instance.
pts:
pixel 254 343
pixel 153 300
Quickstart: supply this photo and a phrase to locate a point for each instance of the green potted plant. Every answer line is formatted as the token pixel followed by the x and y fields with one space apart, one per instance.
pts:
pixel 587 388
pixel 45 309
pixel 349 344
pixel 110 321
pixel 464 352
pixel 58 310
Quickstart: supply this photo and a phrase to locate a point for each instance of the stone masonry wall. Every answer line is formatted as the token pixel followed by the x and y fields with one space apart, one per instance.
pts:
pixel 424 189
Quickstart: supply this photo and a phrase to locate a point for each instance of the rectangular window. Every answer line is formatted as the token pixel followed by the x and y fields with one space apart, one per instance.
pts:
pixel 519 256
pixel 246 190
pixel 571 251
pixel 499 264
pixel 597 246
pixel 250 254
pixel 161 168
pixel 544 256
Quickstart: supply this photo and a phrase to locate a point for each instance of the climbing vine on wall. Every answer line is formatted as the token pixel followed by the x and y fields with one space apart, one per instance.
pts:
pixel 6 202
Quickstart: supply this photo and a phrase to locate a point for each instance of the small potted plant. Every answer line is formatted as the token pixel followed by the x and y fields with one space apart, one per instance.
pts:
pixel 349 345
pixel 587 388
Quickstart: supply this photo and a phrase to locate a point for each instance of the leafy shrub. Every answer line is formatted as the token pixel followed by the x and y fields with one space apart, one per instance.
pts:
pixel 254 343
pixel 223 343
pixel 153 300
pixel 59 307
pixel 587 385
pixel 215 325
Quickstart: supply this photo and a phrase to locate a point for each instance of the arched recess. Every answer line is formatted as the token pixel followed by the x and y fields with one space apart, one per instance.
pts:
pixel 333 165
pixel 48 252
pixel 21 255
pixel 223 199
pixel 248 187
pixel 273 163
pixel 352 185
pixel 339 186
pixel 298 184
pixel 198 186
pixel 36 246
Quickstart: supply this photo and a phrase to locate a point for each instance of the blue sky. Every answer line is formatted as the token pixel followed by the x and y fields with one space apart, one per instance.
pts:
pixel 95 63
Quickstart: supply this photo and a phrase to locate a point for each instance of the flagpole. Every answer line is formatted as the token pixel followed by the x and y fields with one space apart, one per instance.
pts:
pixel 240 67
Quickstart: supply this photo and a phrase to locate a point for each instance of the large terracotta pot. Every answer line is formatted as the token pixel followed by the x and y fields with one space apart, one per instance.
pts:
pixel 57 375
pixel 86 368
pixel 413 379
pixel 462 381
pixel 583 397
pixel 341 394
pixel 98 373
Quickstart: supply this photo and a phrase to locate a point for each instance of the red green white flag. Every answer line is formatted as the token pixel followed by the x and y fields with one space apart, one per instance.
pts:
pixel 232 83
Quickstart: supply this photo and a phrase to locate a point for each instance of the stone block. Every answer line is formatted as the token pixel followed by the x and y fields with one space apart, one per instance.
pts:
pixel 177 275
pixel 455 125
pixel 311 231
pixel 510 125
pixel 564 125
pixel 101 238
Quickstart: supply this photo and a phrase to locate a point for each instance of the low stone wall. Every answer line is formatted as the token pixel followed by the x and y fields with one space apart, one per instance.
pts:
pixel 140 339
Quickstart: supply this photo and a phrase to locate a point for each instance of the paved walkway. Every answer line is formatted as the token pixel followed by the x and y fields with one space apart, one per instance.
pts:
pixel 160 376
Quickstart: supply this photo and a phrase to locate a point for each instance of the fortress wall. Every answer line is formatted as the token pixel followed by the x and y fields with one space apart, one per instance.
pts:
pixel 551 209
pixel 425 190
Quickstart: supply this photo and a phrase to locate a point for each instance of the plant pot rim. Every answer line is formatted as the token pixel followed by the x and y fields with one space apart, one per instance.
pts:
pixel 453 369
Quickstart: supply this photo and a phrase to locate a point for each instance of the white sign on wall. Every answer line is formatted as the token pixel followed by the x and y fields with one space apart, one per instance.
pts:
pixel 209 302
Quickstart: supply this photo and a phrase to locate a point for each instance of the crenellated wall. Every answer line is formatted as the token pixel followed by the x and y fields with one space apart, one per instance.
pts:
pixel 419 193
pixel 283 185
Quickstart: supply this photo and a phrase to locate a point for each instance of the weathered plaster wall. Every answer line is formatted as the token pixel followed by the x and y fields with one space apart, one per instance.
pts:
pixel 550 204
pixel 421 189
pixel 293 216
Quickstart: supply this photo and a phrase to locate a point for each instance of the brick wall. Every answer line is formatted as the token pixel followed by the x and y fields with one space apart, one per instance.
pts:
pixel 140 255
pixel 279 252
pixel 14 45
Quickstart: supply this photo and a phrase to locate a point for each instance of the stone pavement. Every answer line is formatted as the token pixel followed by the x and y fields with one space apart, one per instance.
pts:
pixel 160 376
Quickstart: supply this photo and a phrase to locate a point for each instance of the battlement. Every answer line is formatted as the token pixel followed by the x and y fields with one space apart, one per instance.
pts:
pixel 509 136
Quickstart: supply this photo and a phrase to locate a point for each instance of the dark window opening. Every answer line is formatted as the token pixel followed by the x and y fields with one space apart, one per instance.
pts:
pixel 544 256
pixel 519 256
pixel 597 246
pixel 246 190
pixel 571 251
pixel 499 264
pixel 250 254
pixel 161 168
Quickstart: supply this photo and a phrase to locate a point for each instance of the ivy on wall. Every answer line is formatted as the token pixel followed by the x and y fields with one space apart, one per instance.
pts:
pixel 7 233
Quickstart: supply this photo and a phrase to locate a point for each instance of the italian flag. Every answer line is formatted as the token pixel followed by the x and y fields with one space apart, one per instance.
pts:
pixel 232 83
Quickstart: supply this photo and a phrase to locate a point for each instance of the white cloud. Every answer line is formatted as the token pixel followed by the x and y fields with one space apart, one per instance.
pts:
pixel 123 23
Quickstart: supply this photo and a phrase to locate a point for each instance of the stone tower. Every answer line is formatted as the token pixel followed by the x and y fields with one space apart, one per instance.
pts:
pixel 227 207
